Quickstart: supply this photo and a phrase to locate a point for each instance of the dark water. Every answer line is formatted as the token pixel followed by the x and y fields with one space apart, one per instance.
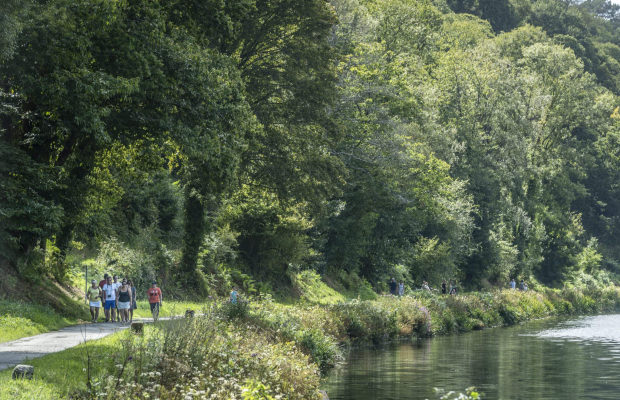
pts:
pixel 576 359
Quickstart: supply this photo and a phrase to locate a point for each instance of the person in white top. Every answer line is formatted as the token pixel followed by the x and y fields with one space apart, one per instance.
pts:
pixel 109 305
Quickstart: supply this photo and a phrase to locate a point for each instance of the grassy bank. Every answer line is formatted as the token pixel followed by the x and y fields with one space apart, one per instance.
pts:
pixel 319 330
pixel 20 319
pixel 266 350
pixel 168 308
pixel 203 357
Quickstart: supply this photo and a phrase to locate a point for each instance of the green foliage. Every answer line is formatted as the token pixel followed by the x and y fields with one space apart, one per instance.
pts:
pixel 312 289
pixel 251 140
pixel 147 261
pixel 271 235
pixel 27 211
pixel 170 360
pixel 254 390
pixel 236 310
pixel 10 25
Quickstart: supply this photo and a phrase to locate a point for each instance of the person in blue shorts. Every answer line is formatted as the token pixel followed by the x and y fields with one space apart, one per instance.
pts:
pixel 109 300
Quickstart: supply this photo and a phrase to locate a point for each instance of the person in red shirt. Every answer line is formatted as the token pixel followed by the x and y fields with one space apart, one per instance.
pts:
pixel 104 281
pixel 155 299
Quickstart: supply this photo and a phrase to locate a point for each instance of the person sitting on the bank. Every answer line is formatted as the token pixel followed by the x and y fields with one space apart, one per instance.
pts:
pixel 234 296
pixel 94 296
pixel 452 288
pixel 425 286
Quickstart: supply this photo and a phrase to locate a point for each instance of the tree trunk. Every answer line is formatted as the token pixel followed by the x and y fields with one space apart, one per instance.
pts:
pixel 194 230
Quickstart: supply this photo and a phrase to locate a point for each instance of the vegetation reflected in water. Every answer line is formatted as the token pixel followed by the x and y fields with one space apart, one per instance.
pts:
pixel 538 360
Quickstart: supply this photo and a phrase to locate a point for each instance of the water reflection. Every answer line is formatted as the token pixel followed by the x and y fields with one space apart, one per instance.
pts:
pixel 540 360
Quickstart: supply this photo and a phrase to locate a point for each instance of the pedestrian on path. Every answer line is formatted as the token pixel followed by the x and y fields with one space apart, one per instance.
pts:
pixel 401 289
pixel 155 299
pixel 109 306
pixel 513 284
pixel 94 296
pixel 393 287
pixel 134 304
pixel 123 301
pixel 116 282
pixel 444 287
pixel 103 281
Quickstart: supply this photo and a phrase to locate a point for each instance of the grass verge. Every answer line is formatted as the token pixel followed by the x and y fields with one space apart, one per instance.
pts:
pixel 19 319
pixel 168 308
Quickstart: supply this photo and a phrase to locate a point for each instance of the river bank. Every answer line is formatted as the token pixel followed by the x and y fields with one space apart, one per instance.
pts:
pixel 263 350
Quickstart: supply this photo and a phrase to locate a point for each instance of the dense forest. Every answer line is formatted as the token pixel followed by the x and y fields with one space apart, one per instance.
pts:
pixel 238 142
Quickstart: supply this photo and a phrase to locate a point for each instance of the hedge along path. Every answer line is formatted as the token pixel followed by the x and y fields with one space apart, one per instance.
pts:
pixel 21 350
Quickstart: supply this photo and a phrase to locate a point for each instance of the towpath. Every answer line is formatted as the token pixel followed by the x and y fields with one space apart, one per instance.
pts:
pixel 20 350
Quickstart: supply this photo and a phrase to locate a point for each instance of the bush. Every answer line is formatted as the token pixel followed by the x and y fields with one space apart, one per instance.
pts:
pixel 238 310
pixel 208 358
pixel 323 350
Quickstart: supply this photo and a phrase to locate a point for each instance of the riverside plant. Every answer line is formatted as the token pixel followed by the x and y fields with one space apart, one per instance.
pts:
pixel 207 357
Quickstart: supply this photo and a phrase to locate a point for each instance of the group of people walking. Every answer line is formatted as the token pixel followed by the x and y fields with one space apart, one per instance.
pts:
pixel 119 299
pixel 522 286
pixel 398 288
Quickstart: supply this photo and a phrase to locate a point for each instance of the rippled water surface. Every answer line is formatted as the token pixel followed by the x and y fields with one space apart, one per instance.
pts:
pixel 576 359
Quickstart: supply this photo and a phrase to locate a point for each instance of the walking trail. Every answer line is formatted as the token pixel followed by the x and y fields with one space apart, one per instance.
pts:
pixel 20 350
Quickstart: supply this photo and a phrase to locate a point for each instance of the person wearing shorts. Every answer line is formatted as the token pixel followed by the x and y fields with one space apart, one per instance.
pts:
pixel 94 295
pixel 123 301
pixel 109 305
pixel 155 299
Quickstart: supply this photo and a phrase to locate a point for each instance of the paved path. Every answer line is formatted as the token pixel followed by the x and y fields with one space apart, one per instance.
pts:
pixel 20 350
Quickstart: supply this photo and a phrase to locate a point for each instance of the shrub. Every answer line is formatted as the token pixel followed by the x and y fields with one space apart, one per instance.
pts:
pixel 206 357
pixel 237 310
pixel 323 350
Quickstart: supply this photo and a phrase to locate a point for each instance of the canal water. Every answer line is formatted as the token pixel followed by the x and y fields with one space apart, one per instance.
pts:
pixel 549 359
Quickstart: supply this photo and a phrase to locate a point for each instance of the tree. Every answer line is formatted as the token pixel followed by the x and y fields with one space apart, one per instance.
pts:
pixel 97 73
